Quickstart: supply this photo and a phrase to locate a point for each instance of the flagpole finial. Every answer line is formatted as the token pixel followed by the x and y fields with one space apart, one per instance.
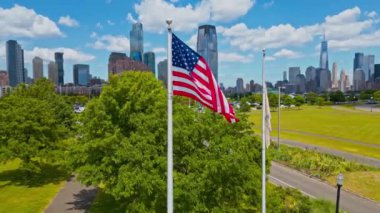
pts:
pixel 264 52
pixel 169 22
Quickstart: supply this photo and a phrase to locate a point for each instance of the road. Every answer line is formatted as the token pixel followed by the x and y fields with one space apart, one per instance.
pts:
pixel 361 159
pixel 284 176
pixel 73 198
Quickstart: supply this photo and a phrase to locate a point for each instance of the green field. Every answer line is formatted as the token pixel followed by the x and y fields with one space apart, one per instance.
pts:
pixel 18 194
pixel 338 128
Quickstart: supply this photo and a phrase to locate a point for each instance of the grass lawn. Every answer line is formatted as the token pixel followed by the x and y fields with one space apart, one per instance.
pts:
pixel 352 131
pixel 363 183
pixel 33 195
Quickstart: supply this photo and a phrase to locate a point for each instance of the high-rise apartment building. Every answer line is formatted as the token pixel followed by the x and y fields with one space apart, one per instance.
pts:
pixel 4 80
pixel 136 42
pixel 150 61
pixel 53 72
pixel 359 80
pixel 38 68
pixel 207 46
pixel 59 61
pixel 163 71
pixel 239 86
pixel 334 80
pixel 119 62
pixel 15 63
pixel 81 74
pixel 369 67
pixel 324 57
pixel 293 72
pixel 284 76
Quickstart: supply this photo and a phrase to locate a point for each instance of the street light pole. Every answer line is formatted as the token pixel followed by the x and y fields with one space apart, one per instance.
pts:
pixel 371 103
pixel 339 183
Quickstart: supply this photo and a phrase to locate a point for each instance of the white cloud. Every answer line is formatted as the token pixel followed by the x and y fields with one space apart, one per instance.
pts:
pixel 159 50
pixel 99 25
pixel 93 35
pixel 234 57
pixel 278 36
pixel 192 42
pixel 174 1
pixel 286 53
pixel 70 55
pixel 130 19
pixel 108 1
pixel 268 4
pixel 111 43
pixel 223 10
pixel 360 41
pixel 372 14
pixel 270 58
pixel 2 49
pixel 68 21
pixel 109 22
pixel 346 25
pixel 23 22
pixel 154 13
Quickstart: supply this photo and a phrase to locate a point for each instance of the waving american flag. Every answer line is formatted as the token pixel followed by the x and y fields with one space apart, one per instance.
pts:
pixel 193 78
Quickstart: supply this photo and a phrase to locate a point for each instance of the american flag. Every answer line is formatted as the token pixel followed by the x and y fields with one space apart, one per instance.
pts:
pixel 193 78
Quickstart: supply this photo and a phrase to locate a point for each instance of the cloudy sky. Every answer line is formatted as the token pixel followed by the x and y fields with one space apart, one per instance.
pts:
pixel 291 31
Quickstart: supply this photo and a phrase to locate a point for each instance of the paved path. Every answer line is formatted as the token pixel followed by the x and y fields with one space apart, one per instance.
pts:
pixel 368 108
pixel 73 198
pixel 359 158
pixel 287 177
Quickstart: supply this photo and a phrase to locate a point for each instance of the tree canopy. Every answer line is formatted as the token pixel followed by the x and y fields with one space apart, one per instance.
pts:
pixel 32 122
pixel 122 148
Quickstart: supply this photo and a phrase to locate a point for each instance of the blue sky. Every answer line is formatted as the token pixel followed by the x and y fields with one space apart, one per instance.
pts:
pixel 291 30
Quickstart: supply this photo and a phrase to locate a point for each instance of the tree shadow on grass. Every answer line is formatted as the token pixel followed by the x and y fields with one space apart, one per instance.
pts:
pixel 49 174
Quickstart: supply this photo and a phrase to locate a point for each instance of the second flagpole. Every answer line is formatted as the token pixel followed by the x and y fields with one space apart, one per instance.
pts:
pixel 170 123
pixel 263 190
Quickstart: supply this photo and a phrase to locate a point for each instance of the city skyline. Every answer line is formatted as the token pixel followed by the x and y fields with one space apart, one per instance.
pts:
pixel 290 41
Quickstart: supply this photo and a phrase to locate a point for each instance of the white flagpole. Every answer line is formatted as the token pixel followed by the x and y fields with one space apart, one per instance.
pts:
pixel 263 202
pixel 170 123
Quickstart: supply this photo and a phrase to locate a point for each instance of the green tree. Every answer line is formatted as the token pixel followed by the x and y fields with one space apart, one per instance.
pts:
pixel 320 101
pixel 299 100
pixel 244 105
pixel 123 148
pixel 273 100
pixel 337 96
pixel 33 122
pixel 287 100
pixel 376 95
pixel 311 98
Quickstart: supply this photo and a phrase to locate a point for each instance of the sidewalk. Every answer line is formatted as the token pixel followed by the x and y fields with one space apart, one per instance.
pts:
pixel 73 198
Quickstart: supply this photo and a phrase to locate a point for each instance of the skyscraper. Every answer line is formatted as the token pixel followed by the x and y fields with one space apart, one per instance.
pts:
pixel 377 71
pixel 59 62
pixel 136 42
pixel 81 74
pixel 15 63
pixel 358 61
pixel 324 80
pixel 370 67
pixel 359 80
pixel 293 72
pixel 284 76
pixel 301 83
pixel 324 57
pixel 334 80
pixel 207 46
pixel 53 72
pixel 38 68
pixel 150 61
pixel 163 71
pixel 239 86
pixel 120 62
